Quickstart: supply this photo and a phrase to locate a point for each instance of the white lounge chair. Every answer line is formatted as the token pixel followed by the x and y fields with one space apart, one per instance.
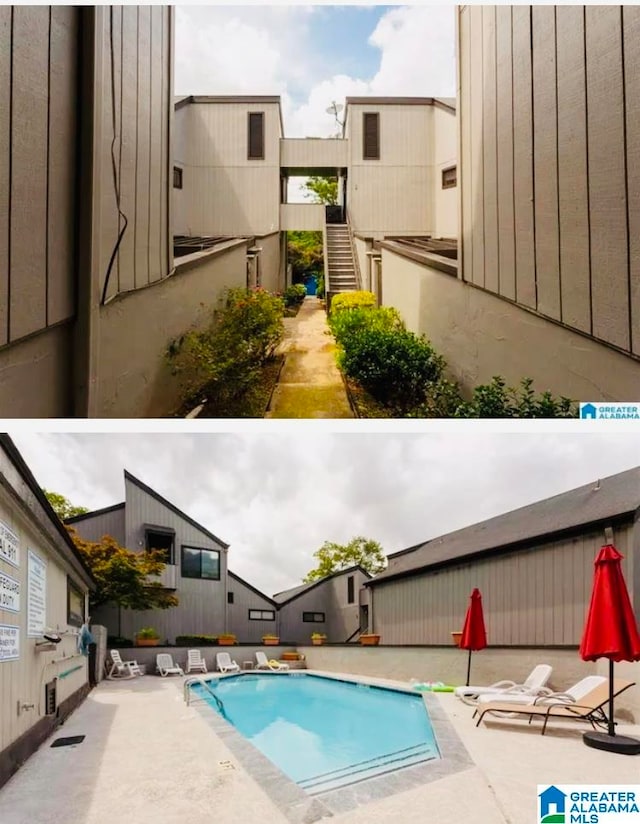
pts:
pixel 225 664
pixel 262 662
pixel 120 668
pixel 195 661
pixel 165 665
pixel 576 694
pixel 533 685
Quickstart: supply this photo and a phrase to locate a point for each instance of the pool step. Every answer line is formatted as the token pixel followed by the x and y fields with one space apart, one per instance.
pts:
pixel 363 770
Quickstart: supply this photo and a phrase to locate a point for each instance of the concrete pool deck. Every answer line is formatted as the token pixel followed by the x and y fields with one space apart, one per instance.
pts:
pixel 147 757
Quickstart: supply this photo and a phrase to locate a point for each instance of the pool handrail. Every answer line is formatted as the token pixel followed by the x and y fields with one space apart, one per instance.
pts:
pixel 198 679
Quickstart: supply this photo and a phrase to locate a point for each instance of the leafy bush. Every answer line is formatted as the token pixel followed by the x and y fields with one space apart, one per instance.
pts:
pixel 352 300
pixel 196 640
pixel 320 288
pixel 116 642
pixel 224 360
pixel 497 400
pixel 394 365
pixel 148 633
pixel 294 295
pixel 347 326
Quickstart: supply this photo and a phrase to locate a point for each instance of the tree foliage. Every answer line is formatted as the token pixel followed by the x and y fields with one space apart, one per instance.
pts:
pixel 322 190
pixel 305 253
pixel 62 506
pixel 333 557
pixel 122 576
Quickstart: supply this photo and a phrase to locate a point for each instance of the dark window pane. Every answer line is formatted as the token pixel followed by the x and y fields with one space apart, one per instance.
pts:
pixel 210 564
pixel 371 136
pixel 190 562
pixel 256 135
pixel 350 590
pixel 229 597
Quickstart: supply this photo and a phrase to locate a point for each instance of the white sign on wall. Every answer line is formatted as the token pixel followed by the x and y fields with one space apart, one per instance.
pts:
pixel 9 593
pixel 9 545
pixel 9 643
pixel 36 595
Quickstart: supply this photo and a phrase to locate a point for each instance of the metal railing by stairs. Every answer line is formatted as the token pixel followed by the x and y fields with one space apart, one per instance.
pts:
pixel 341 270
pixel 188 696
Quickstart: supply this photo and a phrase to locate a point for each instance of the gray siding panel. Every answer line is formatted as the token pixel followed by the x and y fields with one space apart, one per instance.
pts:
pixel 572 168
pixel 245 599
pixel 631 30
pixel 475 116
pixel 106 523
pixel 504 116
pixel 537 596
pixel 156 248
pixel 6 13
pixel 128 144
pixel 546 160
pixel 523 168
pixel 464 149
pixel 490 150
pixel 142 170
pixel 29 146
pixel 605 101
pixel 62 162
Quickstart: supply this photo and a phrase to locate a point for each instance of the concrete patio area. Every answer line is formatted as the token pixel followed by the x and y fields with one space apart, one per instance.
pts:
pixel 147 757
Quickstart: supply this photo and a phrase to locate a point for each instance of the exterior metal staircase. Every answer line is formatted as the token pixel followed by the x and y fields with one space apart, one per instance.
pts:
pixel 341 273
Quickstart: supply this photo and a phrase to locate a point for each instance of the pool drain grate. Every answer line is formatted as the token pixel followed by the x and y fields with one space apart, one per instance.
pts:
pixel 68 741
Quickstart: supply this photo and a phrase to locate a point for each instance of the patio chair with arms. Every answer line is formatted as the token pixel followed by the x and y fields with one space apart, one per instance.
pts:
pixel 166 666
pixel 120 668
pixel 534 684
pixel 225 664
pixel 195 661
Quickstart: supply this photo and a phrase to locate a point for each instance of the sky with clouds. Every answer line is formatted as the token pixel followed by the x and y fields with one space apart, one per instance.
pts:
pixel 276 497
pixel 313 55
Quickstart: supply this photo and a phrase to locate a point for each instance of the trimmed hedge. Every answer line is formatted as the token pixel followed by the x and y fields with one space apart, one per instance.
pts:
pixel 197 640
pixel 353 300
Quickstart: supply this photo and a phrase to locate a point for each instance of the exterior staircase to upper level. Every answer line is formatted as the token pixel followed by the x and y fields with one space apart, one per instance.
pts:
pixel 340 266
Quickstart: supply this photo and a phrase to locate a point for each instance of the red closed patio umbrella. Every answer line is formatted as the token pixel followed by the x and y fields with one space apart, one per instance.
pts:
pixel 474 634
pixel 610 632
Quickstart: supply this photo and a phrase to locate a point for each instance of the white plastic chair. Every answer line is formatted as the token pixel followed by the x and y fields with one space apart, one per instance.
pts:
pixel 262 662
pixel 122 669
pixel 533 685
pixel 575 694
pixel 225 664
pixel 195 661
pixel 165 665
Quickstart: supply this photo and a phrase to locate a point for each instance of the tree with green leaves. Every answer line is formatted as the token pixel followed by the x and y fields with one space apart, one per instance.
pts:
pixel 333 557
pixel 304 253
pixel 62 506
pixel 322 190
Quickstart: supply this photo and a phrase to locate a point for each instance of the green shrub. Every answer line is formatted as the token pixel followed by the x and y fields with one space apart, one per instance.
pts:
pixel 225 359
pixel 346 326
pixel 394 365
pixel 148 633
pixel 320 288
pixel 196 640
pixel 117 642
pixel 497 400
pixel 294 295
pixel 352 300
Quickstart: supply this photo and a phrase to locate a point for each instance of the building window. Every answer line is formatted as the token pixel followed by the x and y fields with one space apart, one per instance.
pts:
pixel 200 563
pixel 162 540
pixel 371 136
pixel 313 617
pixel 256 136
pixel 229 597
pixel 262 615
pixel 177 177
pixel 351 596
pixel 75 605
pixel 449 178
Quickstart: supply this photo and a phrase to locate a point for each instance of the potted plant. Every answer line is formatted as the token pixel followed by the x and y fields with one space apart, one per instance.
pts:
pixel 456 637
pixel 369 639
pixel 290 656
pixel 270 640
pixel 147 637
pixel 318 638
pixel 227 639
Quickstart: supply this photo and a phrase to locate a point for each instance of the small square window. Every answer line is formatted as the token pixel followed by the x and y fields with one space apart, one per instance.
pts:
pixel 200 563
pixel 313 617
pixel 262 615
pixel 163 541
pixel 449 178
pixel 177 177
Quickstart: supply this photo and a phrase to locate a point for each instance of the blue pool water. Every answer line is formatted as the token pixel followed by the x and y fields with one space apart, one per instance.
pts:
pixel 325 733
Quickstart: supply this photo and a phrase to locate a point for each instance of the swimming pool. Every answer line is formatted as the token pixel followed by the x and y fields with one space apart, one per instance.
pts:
pixel 324 733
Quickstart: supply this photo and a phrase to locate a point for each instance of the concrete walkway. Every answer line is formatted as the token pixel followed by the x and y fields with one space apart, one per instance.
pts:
pixel 310 384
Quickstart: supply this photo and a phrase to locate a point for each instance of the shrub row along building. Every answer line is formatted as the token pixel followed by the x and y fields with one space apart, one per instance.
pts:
pixel 507 234
pixel 534 566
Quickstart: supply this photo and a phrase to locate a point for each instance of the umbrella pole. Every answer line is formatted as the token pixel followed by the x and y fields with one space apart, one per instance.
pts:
pixel 612 726
pixel 468 667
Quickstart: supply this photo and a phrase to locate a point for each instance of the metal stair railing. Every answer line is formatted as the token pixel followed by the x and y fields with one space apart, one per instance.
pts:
pixel 353 634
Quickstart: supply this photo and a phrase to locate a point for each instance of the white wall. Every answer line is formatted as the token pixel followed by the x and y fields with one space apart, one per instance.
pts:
pixel 445 206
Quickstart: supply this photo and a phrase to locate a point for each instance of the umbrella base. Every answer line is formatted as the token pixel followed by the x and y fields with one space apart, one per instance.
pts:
pixel 623 744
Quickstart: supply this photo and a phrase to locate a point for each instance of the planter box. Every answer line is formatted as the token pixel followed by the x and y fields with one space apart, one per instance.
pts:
pixel 226 642
pixel 270 642
pixel 290 656
pixel 370 640
pixel 317 642
pixel 147 642
pixel 456 637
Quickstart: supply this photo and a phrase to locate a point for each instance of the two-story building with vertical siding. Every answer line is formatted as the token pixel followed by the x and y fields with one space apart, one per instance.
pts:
pixel 44 588
pixel 547 282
